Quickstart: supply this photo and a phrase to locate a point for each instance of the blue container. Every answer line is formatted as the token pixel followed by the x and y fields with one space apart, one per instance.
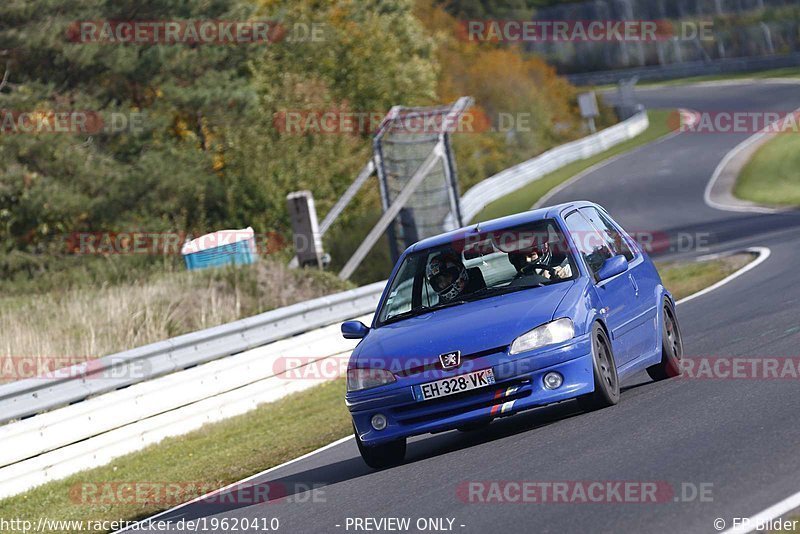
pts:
pixel 226 247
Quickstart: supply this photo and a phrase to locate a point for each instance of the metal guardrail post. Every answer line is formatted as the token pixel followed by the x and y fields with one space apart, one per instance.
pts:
pixel 305 229
pixel 348 195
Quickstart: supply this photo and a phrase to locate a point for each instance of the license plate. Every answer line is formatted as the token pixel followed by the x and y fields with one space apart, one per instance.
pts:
pixel 455 384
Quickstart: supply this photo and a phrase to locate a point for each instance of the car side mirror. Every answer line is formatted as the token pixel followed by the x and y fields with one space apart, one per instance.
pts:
pixel 355 329
pixel 612 267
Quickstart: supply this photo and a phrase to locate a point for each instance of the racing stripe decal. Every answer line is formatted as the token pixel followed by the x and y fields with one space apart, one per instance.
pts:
pixel 502 408
pixel 496 407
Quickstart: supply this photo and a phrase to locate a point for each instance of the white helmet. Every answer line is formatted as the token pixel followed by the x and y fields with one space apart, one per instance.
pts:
pixel 447 275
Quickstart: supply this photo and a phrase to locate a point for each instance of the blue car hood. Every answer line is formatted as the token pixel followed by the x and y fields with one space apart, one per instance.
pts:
pixel 472 327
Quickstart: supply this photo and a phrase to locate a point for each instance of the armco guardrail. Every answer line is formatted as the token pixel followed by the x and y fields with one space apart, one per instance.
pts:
pixel 80 436
pixel 28 397
pixel 223 371
pixel 35 395
pixel 687 69
pixel 513 178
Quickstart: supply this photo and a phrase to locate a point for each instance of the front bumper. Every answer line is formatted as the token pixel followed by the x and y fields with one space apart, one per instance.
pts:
pixel 518 386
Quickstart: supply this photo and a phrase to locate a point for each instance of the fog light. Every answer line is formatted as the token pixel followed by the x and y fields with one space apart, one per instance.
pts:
pixel 379 421
pixel 552 380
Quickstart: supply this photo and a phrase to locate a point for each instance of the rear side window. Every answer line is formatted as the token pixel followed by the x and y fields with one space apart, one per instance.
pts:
pixel 607 229
pixel 591 245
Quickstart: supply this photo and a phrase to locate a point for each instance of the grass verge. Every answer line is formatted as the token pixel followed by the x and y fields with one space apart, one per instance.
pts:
pixel 221 453
pixel 210 457
pixel 522 199
pixel 772 176
pixel 81 323
pixel 684 278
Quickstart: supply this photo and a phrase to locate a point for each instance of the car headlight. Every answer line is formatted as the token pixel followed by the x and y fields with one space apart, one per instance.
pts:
pixel 367 378
pixel 553 332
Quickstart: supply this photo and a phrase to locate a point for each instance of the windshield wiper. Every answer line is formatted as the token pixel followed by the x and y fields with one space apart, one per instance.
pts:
pixel 420 311
pixel 492 291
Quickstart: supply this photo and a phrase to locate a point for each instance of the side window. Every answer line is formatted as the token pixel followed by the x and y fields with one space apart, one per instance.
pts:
pixel 429 296
pixel 399 300
pixel 591 245
pixel 613 238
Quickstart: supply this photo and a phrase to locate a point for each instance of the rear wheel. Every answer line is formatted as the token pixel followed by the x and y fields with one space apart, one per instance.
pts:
pixel 671 347
pixel 383 455
pixel 606 381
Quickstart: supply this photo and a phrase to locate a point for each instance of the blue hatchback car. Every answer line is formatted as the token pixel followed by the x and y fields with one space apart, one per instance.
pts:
pixel 540 307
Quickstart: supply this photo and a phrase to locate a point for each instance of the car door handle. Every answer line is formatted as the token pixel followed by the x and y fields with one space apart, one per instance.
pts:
pixel 635 286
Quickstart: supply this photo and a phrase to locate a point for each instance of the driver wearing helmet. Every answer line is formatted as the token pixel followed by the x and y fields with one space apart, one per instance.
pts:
pixel 539 260
pixel 449 278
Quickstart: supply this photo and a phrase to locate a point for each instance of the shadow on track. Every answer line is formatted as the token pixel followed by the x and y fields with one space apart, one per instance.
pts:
pixel 298 487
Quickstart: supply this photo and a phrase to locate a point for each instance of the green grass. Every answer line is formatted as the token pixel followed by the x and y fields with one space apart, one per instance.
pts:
pixel 787 72
pixel 221 453
pixel 213 456
pixel 525 197
pixel 685 278
pixel 772 176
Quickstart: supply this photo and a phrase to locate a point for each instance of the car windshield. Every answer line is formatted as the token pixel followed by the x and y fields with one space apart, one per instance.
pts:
pixel 478 266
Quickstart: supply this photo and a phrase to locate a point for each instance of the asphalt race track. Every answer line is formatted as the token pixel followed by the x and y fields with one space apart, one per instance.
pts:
pixel 737 437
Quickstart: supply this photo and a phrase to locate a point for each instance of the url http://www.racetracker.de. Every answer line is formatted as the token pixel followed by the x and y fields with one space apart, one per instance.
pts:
pixel 203 524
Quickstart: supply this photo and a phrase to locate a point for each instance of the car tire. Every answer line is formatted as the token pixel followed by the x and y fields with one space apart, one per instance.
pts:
pixel 606 380
pixel 383 455
pixel 671 347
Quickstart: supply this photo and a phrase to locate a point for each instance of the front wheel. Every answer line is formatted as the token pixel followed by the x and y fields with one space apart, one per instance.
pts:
pixel 671 347
pixel 383 455
pixel 606 381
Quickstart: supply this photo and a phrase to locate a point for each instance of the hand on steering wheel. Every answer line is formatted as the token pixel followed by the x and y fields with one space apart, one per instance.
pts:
pixel 529 268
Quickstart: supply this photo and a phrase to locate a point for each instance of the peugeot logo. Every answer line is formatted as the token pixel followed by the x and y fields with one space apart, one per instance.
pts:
pixel 450 360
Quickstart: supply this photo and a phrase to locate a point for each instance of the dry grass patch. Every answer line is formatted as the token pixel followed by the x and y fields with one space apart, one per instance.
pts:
pixel 83 323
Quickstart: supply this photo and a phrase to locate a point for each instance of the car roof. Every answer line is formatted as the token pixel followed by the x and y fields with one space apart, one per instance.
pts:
pixel 500 223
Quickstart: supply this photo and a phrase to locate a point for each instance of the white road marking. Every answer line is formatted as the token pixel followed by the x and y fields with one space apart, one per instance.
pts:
pixel 238 482
pixel 718 171
pixel 776 510
pixel 724 163
pixel 763 254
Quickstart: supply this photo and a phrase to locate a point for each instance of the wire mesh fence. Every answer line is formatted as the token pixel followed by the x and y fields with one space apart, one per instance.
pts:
pixel 405 139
